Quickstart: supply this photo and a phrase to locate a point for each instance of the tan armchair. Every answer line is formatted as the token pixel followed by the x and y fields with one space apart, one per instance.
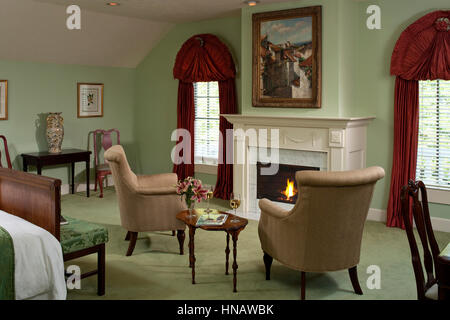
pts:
pixel 146 203
pixel 323 231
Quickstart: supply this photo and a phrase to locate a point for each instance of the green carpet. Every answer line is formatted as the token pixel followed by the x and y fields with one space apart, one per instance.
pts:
pixel 157 271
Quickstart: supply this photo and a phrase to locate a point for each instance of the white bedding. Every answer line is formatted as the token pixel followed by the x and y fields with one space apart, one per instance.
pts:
pixel 39 264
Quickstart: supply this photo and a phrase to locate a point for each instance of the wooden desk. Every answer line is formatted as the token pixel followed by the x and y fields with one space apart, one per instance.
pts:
pixel 42 159
pixel 230 226
pixel 443 273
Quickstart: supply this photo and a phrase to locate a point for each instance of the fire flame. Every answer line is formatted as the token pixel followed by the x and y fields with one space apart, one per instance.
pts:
pixel 290 190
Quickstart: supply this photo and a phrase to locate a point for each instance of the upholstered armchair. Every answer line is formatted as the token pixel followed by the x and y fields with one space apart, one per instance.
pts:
pixel 146 203
pixel 323 231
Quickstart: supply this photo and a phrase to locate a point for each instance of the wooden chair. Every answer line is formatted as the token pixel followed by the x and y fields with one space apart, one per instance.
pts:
pixel 102 169
pixel 425 290
pixel 8 159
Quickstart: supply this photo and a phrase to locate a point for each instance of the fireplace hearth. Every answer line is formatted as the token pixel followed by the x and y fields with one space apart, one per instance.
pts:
pixel 281 187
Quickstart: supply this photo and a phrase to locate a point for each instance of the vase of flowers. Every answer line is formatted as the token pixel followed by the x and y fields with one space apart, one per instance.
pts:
pixel 192 191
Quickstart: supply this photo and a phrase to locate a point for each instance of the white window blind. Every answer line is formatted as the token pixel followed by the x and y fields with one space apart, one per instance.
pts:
pixel 206 126
pixel 433 155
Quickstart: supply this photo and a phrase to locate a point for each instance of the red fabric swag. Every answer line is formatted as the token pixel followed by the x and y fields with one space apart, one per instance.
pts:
pixel 205 58
pixel 421 53
pixel 423 50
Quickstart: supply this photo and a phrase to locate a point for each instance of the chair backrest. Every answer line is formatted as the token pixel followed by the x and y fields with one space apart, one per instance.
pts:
pixel 124 177
pixel 106 137
pixel 8 159
pixel 329 216
pixel 421 217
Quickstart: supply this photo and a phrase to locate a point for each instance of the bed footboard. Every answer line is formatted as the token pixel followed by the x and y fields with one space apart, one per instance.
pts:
pixel 34 198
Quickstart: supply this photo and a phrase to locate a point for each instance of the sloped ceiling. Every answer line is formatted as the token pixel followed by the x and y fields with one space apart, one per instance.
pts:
pixel 35 30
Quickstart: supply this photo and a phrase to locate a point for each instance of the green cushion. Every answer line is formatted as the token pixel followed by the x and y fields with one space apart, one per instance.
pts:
pixel 79 234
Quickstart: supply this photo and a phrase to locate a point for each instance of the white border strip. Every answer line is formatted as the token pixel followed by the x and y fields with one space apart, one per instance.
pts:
pixel 439 224
pixel 81 187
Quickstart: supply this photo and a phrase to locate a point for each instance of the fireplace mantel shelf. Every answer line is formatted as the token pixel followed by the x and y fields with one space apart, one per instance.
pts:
pixel 308 122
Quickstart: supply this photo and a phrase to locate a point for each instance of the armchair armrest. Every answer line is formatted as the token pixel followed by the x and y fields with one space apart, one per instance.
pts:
pixel 272 209
pixel 156 190
pixel 157 180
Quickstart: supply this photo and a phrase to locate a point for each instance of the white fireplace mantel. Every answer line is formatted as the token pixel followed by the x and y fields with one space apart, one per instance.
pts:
pixel 310 122
pixel 341 139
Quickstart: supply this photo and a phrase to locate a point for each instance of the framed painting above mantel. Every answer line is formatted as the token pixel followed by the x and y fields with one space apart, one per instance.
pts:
pixel 287 58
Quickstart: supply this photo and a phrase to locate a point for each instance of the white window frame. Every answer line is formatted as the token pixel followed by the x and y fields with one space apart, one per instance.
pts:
pixel 207 168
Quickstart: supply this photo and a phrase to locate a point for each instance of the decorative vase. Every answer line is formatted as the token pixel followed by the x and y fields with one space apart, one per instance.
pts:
pixel 55 132
pixel 190 205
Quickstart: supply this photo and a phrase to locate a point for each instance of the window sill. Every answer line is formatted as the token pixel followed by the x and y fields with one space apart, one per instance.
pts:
pixel 438 196
pixel 206 168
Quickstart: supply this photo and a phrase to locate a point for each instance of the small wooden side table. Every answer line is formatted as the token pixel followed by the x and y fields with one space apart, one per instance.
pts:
pixel 231 228
pixel 45 158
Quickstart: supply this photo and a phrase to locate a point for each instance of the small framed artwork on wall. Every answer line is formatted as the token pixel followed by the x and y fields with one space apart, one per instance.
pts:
pixel 90 100
pixel 287 50
pixel 3 99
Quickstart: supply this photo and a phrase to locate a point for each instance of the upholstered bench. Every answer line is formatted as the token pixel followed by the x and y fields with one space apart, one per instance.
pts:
pixel 80 238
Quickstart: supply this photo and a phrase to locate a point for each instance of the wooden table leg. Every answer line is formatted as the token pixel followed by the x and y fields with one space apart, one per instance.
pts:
pixel 191 252
pixel 88 173
pixel 73 177
pixel 39 169
pixel 227 253
pixel 235 235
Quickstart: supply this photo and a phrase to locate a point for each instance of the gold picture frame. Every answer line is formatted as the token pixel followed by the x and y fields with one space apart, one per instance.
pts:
pixel 90 100
pixel 3 99
pixel 287 58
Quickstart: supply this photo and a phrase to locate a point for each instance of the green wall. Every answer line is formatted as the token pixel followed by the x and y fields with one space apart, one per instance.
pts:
pixel 374 91
pixel 142 102
pixel 356 79
pixel 156 91
pixel 37 88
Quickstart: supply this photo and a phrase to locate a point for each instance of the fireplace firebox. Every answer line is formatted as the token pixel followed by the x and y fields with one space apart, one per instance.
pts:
pixel 281 187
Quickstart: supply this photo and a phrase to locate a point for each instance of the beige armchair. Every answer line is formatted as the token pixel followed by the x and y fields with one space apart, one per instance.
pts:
pixel 146 203
pixel 323 231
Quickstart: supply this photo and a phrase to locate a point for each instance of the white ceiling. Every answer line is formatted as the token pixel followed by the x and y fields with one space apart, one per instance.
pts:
pixel 35 30
pixel 174 11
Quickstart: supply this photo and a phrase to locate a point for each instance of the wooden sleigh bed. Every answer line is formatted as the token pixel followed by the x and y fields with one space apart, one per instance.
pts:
pixel 37 199
pixel 32 197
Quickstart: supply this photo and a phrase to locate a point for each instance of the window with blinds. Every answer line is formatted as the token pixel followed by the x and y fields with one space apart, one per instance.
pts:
pixel 433 156
pixel 206 126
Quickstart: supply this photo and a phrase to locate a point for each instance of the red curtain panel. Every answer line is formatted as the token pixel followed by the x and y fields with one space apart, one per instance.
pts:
pixel 203 58
pixel 421 53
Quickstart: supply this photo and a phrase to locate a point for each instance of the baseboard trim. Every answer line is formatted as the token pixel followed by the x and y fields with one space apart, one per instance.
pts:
pixel 439 224
pixel 81 187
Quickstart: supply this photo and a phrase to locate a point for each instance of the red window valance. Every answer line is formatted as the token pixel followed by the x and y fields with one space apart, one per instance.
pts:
pixel 423 50
pixel 204 57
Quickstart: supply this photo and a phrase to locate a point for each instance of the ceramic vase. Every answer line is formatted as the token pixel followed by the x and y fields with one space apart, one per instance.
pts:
pixel 55 132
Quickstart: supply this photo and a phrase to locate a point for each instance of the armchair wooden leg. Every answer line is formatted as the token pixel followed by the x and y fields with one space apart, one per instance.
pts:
pixel 101 271
pixel 127 237
pixel 268 264
pixel 303 290
pixel 181 236
pixel 133 238
pixel 173 233
pixel 353 272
